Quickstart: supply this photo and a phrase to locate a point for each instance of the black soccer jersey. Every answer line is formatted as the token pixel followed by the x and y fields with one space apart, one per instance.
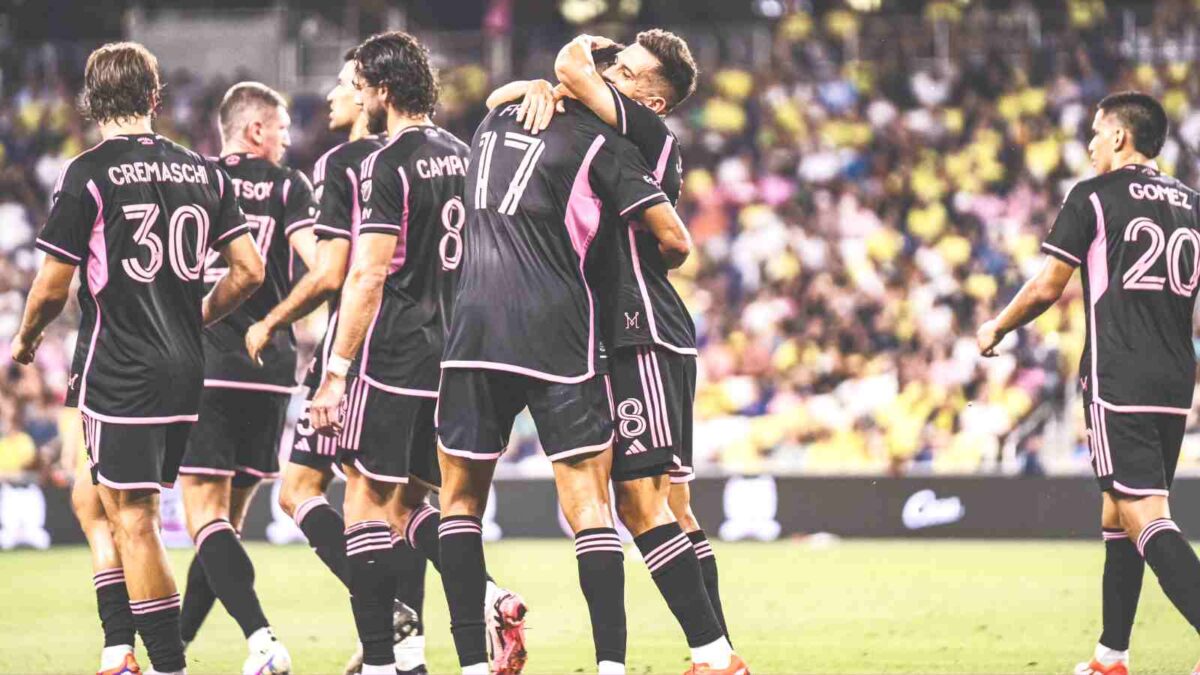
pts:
pixel 413 188
pixel 139 214
pixel 335 179
pixel 640 306
pixel 1135 233
pixel 534 207
pixel 277 202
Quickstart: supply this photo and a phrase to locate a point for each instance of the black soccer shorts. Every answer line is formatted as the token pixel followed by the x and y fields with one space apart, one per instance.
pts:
pixel 134 456
pixel 238 434
pixel 1134 454
pixel 310 449
pixel 389 436
pixel 477 407
pixel 654 389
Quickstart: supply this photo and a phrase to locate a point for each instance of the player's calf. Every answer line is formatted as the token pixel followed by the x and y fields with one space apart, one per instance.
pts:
pixel 1162 545
pixel 680 501
pixel 302 497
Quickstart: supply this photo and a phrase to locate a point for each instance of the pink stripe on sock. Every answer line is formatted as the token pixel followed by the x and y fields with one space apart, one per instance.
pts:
pixel 307 506
pixel 666 547
pixel 668 557
pixel 365 524
pixel 414 521
pixel 1153 529
pixel 212 528
pixel 148 606
pixel 593 548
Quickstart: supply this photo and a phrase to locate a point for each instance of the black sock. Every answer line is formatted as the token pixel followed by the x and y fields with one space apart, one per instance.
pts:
pixel 708 572
pixel 1175 564
pixel 602 579
pixel 421 532
pixel 669 556
pixel 1123 569
pixel 198 599
pixel 230 574
pixel 112 600
pixel 410 579
pixel 372 585
pixel 157 622
pixel 325 530
pixel 461 542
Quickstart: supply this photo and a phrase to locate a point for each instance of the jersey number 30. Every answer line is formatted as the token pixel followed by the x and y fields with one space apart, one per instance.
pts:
pixel 1138 277
pixel 145 215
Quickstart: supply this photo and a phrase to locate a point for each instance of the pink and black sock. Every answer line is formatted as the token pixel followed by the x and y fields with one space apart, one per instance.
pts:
pixel 708 571
pixel 372 587
pixel 671 559
pixel 325 530
pixel 421 532
pixel 1122 586
pixel 198 599
pixel 1175 564
pixel 230 574
pixel 410 578
pixel 463 578
pixel 112 601
pixel 157 621
pixel 602 578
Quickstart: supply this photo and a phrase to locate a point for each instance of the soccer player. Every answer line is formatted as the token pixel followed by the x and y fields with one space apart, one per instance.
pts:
pixel 391 305
pixel 235 444
pixel 140 214
pixel 1133 232
pixel 524 333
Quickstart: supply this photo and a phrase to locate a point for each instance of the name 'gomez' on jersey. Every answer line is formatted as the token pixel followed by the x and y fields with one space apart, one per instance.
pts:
pixel 1134 231
pixel 335 180
pixel 277 202
pixel 534 207
pixel 641 306
pixel 413 188
pixel 139 214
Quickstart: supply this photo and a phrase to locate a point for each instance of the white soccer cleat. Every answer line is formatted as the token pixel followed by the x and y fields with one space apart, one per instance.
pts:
pixel 505 614
pixel 267 656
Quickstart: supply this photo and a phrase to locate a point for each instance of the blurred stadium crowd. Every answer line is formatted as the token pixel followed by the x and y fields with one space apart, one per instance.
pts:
pixel 855 220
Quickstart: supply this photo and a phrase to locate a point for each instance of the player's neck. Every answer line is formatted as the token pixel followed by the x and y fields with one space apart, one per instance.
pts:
pixel 1124 160
pixel 398 122
pixel 236 147
pixel 125 127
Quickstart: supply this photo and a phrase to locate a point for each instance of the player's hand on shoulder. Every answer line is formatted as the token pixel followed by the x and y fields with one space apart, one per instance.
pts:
pixel 257 337
pixel 537 108
pixel 987 337
pixel 325 408
pixel 23 352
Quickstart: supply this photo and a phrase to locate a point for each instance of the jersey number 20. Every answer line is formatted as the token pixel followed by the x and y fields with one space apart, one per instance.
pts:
pixel 146 215
pixel 1138 276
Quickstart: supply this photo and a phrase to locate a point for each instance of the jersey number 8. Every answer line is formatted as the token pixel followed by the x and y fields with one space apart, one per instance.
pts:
pixel 1138 277
pixel 146 215
pixel 454 216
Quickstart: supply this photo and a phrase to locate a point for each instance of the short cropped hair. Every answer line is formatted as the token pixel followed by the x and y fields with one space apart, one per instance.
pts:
pixel 677 67
pixel 1142 116
pixel 396 60
pixel 241 101
pixel 121 81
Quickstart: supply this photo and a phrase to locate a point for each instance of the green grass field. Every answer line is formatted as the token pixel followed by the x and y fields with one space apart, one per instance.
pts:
pixel 855 607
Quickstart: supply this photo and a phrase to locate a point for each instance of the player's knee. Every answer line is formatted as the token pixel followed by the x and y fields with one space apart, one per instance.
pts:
pixel 134 522
pixel 687 519
pixel 86 505
pixel 294 492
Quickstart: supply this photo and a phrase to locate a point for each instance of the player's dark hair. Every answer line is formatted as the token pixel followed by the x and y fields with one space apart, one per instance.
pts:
pixel 676 67
pixel 397 61
pixel 1143 116
pixel 606 56
pixel 120 81
pixel 242 99
pixel 349 55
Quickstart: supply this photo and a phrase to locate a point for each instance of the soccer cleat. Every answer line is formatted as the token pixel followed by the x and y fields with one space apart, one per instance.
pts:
pixel 1196 670
pixel 506 633
pixel 1097 668
pixel 271 658
pixel 128 667
pixel 736 667
pixel 405 623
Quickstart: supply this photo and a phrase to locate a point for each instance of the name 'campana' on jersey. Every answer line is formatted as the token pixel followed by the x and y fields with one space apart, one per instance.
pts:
pixel 157 172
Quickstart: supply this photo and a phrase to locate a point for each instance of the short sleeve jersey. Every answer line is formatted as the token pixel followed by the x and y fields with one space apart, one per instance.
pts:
pixel 640 306
pixel 139 214
pixel 277 202
pixel 335 181
pixel 535 205
pixel 412 188
pixel 1135 233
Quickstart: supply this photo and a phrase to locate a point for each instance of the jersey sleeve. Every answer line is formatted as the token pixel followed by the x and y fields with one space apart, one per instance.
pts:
pixel 639 124
pixel 621 177
pixel 73 211
pixel 335 201
pixel 1072 232
pixel 299 207
pixel 384 199
pixel 229 221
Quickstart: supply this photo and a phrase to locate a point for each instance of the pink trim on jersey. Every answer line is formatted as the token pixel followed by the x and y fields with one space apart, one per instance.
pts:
pixel 115 419
pixel 398 391
pixel 1160 409
pixel 298 225
pixel 401 252
pixel 206 471
pixel 660 169
pixel 97 280
pixel 287 186
pixel 240 229
pixel 1061 252
pixel 586 450
pixel 583 222
pixel 319 166
pixel 1139 492
pixel 42 243
pixel 378 476
pixel 1097 261
pixel 331 231
pixel 467 454
pixel 509 368
pixel 643 200
pixel 221 183
pixel 355 209
pixel 641 281
pixel 621 118
pixel 250 386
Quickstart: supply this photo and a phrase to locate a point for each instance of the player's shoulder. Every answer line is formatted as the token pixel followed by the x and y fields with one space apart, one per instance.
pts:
pixel 345 155
pixel 83 167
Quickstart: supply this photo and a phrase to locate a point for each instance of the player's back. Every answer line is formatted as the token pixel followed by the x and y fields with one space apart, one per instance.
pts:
pixel 141 213
pixel 277 201
pixel 1135 231
pixel 534 206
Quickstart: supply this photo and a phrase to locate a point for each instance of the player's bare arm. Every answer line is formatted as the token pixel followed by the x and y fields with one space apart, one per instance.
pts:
pixel 46 300
pixel 576 70
pixel 323 279
pixel 1035 297
pixel 246 274
pixel 674 241
pixel 360 301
